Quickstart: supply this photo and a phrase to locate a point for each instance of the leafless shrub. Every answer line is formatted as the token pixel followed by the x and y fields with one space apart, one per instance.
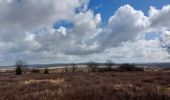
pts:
pixel 109 65
pixel 92 66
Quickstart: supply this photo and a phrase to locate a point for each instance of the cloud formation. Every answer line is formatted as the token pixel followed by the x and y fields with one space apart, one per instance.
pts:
pixel 126 24
pixel 27 32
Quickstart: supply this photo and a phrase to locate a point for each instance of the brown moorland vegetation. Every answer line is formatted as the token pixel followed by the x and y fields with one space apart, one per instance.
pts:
pixel 111 85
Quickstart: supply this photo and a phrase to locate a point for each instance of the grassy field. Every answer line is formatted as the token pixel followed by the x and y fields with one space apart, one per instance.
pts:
pixel 86 86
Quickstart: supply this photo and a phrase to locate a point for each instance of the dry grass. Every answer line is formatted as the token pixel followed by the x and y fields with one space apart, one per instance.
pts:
pixel 86 86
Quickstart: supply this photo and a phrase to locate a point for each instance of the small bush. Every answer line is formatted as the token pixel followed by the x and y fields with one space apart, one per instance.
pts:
pixel 92 67
pixel 46 71
pixel 129 67
pixel 35 71
pixel 18 70
pixel 73 68
pixel 19 67
pixel 66 69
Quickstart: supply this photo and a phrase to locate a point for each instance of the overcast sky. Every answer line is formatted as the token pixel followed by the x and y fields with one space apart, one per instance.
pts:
pixel 72 31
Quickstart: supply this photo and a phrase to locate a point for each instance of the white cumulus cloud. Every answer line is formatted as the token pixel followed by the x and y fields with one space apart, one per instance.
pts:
pixel 27 32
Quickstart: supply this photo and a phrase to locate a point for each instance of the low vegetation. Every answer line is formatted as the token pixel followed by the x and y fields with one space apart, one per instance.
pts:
pixel 86 86
pixel 112 82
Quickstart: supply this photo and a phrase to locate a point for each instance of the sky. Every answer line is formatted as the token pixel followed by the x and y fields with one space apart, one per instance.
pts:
pixel 75 31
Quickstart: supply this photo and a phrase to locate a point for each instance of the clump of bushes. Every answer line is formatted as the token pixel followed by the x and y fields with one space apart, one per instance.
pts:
pixel 46 71
pixel 92 67
pixel 129 67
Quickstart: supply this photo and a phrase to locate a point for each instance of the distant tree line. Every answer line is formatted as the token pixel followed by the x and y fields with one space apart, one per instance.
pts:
pixel 91 67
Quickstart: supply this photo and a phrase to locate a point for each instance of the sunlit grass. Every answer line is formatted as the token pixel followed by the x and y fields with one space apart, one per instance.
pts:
pixel 54 81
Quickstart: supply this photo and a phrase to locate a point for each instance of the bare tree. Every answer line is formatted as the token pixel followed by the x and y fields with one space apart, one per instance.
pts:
pixel 163 39
pixel 92 66
pixel 109 65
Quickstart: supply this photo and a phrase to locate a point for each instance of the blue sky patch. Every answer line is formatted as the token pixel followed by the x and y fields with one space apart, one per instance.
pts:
pixel 108 7
pixel 63 23
pixel 151 36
